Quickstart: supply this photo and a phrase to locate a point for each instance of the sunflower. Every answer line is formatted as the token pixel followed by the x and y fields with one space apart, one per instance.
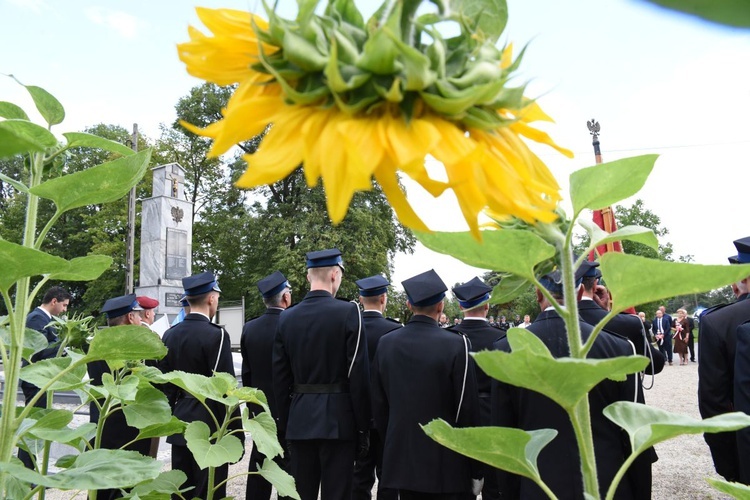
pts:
pixel 352 101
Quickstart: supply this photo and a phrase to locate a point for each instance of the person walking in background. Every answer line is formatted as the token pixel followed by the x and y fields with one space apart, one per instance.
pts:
pixel 691 338
pixel 681 333
pixel 662 329
pixel 646 326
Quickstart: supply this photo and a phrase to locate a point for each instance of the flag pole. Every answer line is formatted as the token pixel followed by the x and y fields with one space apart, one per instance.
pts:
pixel 604 218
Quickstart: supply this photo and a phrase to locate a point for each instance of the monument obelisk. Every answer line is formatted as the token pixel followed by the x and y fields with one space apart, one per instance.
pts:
pixel 166 239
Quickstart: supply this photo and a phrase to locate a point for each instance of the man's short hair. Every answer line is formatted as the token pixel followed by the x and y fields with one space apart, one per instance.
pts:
pixel 321 273
pixel 370 301
pixel 589 282
pixel 121 320
pixel 197 300
pixel 274 300
pixel 56 292
pixel 426 310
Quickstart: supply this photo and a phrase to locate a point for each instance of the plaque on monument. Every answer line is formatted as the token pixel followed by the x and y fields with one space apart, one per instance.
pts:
pixel 176 254
pixel 173 299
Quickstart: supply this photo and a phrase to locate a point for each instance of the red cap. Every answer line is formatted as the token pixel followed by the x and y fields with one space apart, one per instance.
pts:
pixel 147 302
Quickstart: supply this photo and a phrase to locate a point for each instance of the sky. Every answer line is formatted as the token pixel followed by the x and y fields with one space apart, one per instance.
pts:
pixel 657 81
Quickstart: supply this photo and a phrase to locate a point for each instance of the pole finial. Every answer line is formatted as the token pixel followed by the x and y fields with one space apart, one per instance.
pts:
pixel 594 128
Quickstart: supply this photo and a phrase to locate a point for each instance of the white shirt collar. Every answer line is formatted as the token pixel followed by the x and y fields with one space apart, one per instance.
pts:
pixel 204 315
pixel 475 319
pixel 584 297
pixel 372 311
pixel 45 312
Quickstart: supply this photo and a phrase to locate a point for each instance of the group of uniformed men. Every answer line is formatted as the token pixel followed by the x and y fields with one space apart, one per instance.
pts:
pixel 350 388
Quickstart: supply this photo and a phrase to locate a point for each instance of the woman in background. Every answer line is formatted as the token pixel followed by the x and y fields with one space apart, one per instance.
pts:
pixel 681 333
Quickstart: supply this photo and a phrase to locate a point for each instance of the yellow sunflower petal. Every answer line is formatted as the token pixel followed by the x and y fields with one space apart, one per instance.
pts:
pixel 538 136
pixel 388 182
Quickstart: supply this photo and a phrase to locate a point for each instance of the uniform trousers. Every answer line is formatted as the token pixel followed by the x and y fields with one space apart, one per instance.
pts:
pixel 666 347
pixel 327 464
pixel 29 391
pixel 257 486
pixel 365 470
pixel 183 460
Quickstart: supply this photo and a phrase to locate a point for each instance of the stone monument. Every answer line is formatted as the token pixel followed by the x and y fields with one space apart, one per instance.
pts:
pixel 166 239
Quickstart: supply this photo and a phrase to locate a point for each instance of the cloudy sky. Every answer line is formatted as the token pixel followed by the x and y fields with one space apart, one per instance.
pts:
pixel 657 82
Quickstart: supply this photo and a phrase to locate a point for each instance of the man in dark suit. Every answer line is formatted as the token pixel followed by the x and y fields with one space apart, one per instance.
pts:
pixel 373 295
pixel 742 398
pixel 256 346
pixel 528 410
pixel 592 300
pixel 196 345
pixel 691 338
pixel 473 299
pixel 321 382
pixel 662 329
pixel 421 373
pixel 54 303
pixel 717 344
pixel 116 433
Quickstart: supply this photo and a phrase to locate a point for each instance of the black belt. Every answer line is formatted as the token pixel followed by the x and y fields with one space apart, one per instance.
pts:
pixel 485 395
pixel 337 388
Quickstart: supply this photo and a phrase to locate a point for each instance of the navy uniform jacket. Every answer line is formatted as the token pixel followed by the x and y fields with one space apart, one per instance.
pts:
pixel 317 341
pixel 38 320
pixel 256 346
pixel 627 325
pixel 195 346
pixel 558 462
pixel 481 336
pixel 717 342
pixel 419 376
pixel 742 397
pixel 377 326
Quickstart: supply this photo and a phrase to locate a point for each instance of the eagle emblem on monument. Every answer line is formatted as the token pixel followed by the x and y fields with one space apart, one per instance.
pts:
pixel 177 214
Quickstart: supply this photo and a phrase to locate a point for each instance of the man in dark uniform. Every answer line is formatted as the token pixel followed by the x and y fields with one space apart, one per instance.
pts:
pixel 742 398
pixel 196 345
pixel 717 343
pixel 373 295
pixel 422 372
pixel 593 298
pixel 256 346
pixel 691 338
pixel 321 383
pixel 54 303
pixel 473 299
pixel 503 324
pixel 529 410
pixel 116 432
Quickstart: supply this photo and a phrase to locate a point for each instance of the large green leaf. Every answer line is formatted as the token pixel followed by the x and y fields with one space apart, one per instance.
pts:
pixel 82 139
pixel 21 262
pixel 167 482
pixel 638 234
pixel 507 250
pixel 86 268
pixel 736 490
pixel 12 112
pixel 648 426
pixel 729 12
pixel 49 107
pixel 174 426
pixel 262 429
pixel 41 372
pixel 252 395
pixel 227 449
pixel 74 436
pixel 92 470
pixel 203 388
pixel 125 390
pixel 505 448
pixel 21 136
pixel 33 341
pixel 100 184
pixel 490 16
pixel 508 289
pixel 564 380
pixel 20 186
pixel 129 342
pixel 279 478
pixel 150 408
pixel 603 185
pixel 634 280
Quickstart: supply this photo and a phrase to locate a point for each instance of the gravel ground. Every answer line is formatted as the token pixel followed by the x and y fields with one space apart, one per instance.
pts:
pixel 675 390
